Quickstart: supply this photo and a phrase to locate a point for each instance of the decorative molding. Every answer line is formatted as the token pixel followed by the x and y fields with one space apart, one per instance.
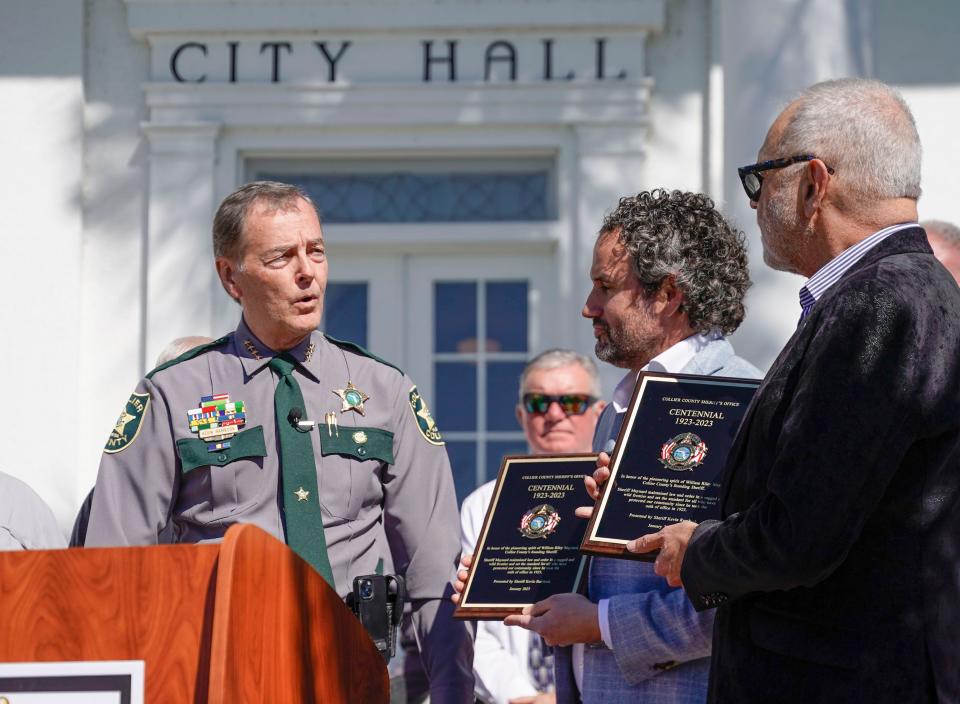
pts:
pixel 612 140
pixel 147 17
pixel 194 139
pixel 434 238
pixel 625 102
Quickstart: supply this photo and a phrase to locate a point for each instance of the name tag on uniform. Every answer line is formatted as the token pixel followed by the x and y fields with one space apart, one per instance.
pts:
pixel 216 420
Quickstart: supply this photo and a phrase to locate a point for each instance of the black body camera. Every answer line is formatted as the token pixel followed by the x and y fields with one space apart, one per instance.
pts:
pixel 378 600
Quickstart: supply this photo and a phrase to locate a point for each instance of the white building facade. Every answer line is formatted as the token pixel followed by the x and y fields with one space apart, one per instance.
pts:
pixel 463 154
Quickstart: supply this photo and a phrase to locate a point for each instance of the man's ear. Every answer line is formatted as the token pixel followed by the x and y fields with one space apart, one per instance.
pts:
pixel 669 297
pixel 813 186
pixel 227 272
pixel 519 415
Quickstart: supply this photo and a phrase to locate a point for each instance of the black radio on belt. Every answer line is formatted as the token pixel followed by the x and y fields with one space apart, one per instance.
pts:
pixel 378 600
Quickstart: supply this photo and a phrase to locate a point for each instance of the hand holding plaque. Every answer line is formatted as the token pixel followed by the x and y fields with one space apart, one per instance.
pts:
pixel 670 544
pixel 669 458
pixel 594 483
pixel 529 547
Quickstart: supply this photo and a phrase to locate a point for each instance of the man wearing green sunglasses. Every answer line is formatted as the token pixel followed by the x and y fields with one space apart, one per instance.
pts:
pixel 559 406
pixel 558 410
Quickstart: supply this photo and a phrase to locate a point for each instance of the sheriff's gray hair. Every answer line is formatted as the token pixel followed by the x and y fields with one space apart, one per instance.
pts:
pixel 862 129
pixel 231 216
pixel 556 358
pixel 948 231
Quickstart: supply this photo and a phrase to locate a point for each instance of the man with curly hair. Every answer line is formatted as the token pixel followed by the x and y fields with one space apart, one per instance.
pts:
pixel 669 275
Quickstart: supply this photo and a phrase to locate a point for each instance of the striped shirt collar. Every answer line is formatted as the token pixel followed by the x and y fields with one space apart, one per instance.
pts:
pixel 831 272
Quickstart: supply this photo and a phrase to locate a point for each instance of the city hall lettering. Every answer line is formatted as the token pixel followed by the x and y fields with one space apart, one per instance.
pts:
pixel 426 60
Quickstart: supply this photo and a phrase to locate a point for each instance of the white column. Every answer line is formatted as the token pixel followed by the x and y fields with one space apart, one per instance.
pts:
pixel 179 259
pixel 41 192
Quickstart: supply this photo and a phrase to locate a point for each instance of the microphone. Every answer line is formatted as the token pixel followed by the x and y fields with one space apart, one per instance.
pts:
pixel 294 416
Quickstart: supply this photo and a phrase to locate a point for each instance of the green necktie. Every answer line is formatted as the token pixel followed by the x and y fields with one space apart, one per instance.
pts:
pixel 298 471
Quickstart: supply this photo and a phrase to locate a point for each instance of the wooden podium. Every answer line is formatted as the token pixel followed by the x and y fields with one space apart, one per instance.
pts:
pixel 243 621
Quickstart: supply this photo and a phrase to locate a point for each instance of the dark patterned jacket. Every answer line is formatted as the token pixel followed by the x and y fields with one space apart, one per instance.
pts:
pixel 836 568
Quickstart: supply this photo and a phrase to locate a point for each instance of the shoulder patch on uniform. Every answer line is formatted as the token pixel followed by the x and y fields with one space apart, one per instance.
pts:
pixel 189 354
pixel 354 347
pixel 426 424
pixel 128 424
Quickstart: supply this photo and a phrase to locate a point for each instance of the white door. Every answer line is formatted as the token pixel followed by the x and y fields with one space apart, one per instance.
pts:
pixel 472 323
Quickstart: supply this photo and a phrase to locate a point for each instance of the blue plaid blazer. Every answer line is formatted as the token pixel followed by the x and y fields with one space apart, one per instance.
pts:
pixel 661 645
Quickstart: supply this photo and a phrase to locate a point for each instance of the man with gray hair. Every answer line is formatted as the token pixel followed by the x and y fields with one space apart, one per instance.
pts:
pixel 944 238
pixel 558 411
pixel 834 569
pixel 314 440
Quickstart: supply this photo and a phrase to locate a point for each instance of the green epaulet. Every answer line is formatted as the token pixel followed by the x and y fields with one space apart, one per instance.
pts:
pixel 189 354
pixel 354 347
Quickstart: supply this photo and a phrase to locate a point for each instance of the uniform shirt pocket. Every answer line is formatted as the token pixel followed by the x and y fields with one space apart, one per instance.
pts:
pixel 245 454
pixel 359 443
pixel 350 469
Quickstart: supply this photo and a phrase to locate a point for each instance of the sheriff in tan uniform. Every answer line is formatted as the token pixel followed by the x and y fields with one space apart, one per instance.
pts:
pixel 199 443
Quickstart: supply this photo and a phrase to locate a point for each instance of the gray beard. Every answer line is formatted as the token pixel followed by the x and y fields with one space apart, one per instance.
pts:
pixel 618 350
pixel 614 350
pixel 607 351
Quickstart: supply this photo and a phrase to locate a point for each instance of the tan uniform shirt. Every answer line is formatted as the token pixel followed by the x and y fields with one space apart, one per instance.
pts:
pixel 380 496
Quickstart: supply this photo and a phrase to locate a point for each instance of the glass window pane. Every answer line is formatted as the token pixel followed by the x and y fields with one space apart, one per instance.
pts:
pixel 345 311
pixel 455 316
pixel 408 196
pixel 498 449
pixel 463 462
pixel 455 388
pixel 506 316
pixel 503 383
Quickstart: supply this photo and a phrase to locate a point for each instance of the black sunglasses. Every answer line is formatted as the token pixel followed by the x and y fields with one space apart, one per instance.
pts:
pixel 571 404
pixel 752 180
